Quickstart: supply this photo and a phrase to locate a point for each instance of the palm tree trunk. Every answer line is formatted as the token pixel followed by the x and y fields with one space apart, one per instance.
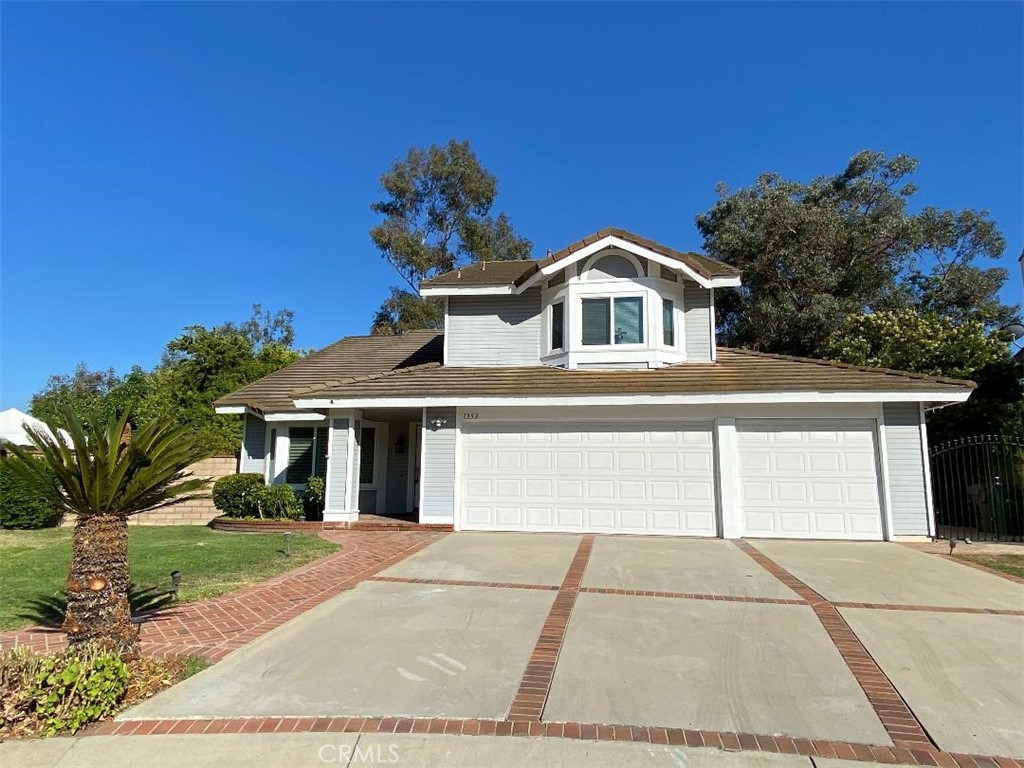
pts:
pixel 98 609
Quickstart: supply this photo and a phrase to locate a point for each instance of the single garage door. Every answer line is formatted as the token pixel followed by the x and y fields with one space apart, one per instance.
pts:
pixel 591 477
pixel 809 478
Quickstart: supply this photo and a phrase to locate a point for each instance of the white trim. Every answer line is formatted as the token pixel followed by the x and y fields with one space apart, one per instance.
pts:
pixel 466 290
pixel 714 330
pixel 727 475
pixel 457 483
pixel 883 474
pixel 929 502
pixel 244 453
pixel 293 416
pixel 423 460
pixel 611 241
pixel 444 353
pixel 351 488
pixel 411 497
pixel 327 470
pixel 693 399
pixel 269 452
pixel 229 409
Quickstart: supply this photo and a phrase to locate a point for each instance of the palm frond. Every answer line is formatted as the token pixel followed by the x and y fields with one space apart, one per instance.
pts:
pixel 97 475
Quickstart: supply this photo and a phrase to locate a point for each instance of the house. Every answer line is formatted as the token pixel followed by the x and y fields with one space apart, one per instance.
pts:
pixel 585 392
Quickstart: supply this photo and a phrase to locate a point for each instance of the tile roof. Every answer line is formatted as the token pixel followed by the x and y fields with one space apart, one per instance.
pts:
pixel 497 273
pixel 736 371
pixel 349 357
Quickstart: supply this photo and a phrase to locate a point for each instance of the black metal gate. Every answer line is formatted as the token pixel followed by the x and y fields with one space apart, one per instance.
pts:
pixel 978 488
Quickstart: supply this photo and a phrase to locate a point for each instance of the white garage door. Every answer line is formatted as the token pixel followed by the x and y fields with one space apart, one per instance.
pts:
pixel 595 477
pixel 809 478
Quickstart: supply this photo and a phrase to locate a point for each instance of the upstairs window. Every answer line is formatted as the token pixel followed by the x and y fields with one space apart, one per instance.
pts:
pixel 668 323
pixel 613 321
pixel 558 325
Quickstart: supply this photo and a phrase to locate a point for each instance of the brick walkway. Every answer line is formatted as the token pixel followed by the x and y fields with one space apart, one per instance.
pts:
pixel 215 628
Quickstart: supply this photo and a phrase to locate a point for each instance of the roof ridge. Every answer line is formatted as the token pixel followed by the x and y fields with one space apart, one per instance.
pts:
pixel 851 367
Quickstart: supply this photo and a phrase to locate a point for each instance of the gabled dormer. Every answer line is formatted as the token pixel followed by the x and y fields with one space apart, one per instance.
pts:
pixel 612 300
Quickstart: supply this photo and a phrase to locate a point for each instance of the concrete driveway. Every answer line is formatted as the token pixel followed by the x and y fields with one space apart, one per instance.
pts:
pixel 665 632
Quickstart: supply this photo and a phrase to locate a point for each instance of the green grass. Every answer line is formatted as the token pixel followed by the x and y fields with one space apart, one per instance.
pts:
pixel 1011 564
pixel 35 563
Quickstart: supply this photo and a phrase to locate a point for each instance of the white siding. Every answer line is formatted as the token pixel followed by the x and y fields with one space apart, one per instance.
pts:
pixel 338 463
pixel 697 323
pixel 438 468
pixel 254 445
pixel 905 467
pixel 494 330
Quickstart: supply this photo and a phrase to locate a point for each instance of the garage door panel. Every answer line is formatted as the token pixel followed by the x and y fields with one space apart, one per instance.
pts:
pixel 810 478
pixel 628 478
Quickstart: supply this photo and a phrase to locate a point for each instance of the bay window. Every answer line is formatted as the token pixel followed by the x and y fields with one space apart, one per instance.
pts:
pixel 558 325
pixel 668 323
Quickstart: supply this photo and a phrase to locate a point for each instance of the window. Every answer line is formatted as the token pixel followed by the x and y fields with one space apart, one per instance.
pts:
pixel 624 315
pixel 367 454
pixel 300 455
pixel 320 470
pixel 596 321
pixel 558 325
pixel 668 323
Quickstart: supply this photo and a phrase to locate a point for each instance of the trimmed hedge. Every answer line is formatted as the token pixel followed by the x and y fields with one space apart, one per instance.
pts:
pixel 237 495
pixel 21 506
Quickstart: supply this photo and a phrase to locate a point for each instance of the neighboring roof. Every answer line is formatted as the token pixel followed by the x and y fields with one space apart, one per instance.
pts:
pixel 736 371
pixel 351 356
pixel 500 273
pixel 13 423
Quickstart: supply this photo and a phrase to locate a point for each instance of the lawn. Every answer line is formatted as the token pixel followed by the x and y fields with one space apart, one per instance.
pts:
pixel 1011 564
pixel 35 563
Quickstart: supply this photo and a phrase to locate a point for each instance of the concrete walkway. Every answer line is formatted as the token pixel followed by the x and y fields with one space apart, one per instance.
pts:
pixel 299 750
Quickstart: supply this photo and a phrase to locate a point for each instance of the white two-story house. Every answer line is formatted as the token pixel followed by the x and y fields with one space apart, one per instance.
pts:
pixel 584 392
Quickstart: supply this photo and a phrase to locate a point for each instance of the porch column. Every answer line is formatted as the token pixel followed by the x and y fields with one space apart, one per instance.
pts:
pixel 341 495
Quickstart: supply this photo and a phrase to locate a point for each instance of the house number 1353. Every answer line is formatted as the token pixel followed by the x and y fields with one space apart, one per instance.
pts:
pixel 470 415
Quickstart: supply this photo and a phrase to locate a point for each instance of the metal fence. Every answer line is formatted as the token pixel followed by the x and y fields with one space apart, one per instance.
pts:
pixel 978 488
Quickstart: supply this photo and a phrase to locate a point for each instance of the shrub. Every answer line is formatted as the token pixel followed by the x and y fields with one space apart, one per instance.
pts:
pixel 238 495
pixel 20 505
pixel 62 692
pixel 313 498
pixel 279 502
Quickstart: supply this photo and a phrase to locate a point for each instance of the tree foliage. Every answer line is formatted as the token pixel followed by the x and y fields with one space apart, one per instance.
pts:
pixel 905 340
pixel 812 254
pixel 436 208
pixel 195 369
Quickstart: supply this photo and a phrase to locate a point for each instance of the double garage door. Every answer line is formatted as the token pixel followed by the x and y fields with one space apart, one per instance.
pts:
pixel 810 478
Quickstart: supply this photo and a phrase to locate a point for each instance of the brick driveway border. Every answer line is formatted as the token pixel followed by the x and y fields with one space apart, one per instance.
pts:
pixel 214 628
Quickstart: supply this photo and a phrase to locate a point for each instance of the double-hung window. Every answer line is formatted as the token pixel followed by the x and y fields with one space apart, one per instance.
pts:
pixel 618 320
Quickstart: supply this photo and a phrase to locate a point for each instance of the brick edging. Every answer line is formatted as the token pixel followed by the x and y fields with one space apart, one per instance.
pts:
pixel 899 721
pixel 722 740
pixel 532 694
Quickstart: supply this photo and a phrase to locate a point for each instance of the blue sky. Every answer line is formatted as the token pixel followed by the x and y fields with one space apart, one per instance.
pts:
pixel 169 164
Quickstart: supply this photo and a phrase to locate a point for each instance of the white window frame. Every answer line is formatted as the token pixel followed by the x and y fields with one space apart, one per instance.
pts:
pixel 277 457
pixel 611 297
pixel 551 324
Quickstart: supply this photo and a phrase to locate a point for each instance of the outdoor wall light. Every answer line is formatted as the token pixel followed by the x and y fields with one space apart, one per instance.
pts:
pixel 438 423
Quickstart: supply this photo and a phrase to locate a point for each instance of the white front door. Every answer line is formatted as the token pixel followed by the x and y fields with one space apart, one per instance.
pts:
pixel 607 477
pixel 809 478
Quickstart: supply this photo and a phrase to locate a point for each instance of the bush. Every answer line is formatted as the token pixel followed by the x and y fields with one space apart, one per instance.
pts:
pixel 279 502
pixel 59 693
pixel 238 495
pixel 313 498
pixel 21 506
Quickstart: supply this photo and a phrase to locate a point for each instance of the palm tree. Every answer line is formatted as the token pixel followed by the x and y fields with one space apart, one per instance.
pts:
pixel 105 476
